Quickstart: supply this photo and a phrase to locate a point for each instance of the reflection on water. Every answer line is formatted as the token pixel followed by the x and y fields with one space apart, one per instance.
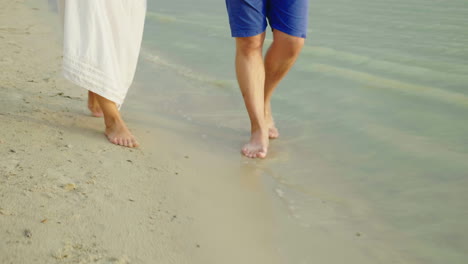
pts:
pixel 373 117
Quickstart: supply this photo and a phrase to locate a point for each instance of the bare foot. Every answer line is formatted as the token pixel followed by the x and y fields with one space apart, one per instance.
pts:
pixel 93 105
pixel 273 132
pixel 257 146
pixel 118 134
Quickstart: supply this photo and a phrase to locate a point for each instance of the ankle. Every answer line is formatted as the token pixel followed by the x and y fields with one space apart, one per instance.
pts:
pixel 267 109
pixel 112 121
pixel 257 129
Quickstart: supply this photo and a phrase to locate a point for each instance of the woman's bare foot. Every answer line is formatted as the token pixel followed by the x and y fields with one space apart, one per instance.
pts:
pixel 116 130
pixel 257 146
pixel 93 105
pixel 118 133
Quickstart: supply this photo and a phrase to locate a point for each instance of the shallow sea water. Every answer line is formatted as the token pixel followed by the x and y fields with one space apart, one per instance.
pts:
pixel 373 117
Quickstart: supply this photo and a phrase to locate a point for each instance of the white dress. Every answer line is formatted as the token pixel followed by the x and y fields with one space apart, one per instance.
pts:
pixel 102 40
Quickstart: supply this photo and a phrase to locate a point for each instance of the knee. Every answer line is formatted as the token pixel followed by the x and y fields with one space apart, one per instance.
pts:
pixel 294 46
pixel 297 45
pixel 249 45
pixel 288 44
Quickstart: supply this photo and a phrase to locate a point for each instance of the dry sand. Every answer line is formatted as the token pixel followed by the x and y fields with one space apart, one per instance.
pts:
pixel 68 196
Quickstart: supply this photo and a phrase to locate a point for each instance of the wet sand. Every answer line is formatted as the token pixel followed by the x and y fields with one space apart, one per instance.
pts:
pixel 372 117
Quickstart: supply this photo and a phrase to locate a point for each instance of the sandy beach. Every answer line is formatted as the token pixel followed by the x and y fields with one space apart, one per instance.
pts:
pixel 68 196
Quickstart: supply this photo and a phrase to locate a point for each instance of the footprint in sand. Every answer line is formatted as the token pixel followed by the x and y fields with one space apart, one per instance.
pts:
pixel 17 31
pixel 79 253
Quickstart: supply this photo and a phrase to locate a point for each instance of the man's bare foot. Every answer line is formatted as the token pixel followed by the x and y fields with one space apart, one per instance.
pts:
pixel 273 132
pixel 118 134
pixel 93 105
pixel 257 146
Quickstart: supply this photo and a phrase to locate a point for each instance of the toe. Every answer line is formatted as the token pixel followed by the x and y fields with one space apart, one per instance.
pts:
pixel 262 153
pixel 273 133
pixel 244 151
pixel 131 143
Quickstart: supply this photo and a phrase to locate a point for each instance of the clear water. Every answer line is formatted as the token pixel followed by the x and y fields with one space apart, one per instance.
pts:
pixel 373 119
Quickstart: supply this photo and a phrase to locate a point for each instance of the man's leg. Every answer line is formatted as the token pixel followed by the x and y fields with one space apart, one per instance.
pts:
pixel 116 130
pixel 279 59
pixel 250 71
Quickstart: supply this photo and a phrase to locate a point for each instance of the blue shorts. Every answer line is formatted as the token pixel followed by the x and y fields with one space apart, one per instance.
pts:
pixel 249 17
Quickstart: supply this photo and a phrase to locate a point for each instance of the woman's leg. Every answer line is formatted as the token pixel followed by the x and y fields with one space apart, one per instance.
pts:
pixel 93 105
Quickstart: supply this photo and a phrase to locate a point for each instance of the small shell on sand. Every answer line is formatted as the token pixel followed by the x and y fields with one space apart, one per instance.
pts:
pixel 69 187
pixel 27 233
pixel 91 182
pixel 4 212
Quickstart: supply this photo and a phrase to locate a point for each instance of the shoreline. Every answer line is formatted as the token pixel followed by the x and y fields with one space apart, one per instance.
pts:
pixel 185 196
pixel 69 196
